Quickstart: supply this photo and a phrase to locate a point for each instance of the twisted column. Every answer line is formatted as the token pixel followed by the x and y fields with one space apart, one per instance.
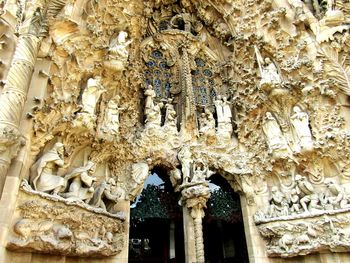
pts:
pixel 195 196
pixel 13 98
pixel 198 233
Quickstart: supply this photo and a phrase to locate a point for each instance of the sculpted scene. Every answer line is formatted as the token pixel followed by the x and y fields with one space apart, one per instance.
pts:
pixel 188 131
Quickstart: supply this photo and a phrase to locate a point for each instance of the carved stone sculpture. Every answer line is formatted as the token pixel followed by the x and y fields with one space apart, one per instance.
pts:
pixel 336 195
pixel 91 95
pixel 103 193
pixel 275 140
pixel 80 183
pixel 185 157
pixel 207 124
pixel 170 116
pixel 268 70
pixel 305 191
pixel 110 123
pixel 278 203
pixel 44 176
pixel 49 226
pixel 149 101
pixel 139 173
pixel 118 52
pixel 300 122
pixel 154 116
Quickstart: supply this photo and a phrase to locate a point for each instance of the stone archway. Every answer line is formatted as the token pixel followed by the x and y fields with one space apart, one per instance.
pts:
pixel 223 227
pixel 156 208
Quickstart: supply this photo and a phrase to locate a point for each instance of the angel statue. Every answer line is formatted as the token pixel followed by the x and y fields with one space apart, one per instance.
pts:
pixel 268 70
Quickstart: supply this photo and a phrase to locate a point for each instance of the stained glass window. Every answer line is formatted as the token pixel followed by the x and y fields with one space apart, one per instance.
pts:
pixel 158 74
pixel 203 83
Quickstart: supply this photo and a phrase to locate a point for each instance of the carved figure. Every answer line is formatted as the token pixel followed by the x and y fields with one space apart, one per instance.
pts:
pixel 207 123
pixel 300 122
pixel 103 193
pixel 185 157
pixel 110 124
pixel 336 195
pixel 91 95
pixel 295 201
pixel 154 116
pixel 274 136
pixel 226 110
pixel 43 173
pixel 139 173
pixel 305 190
pixel 268 70
pixel 170 114
pixel 80 187
pixel 219 109
pixel 278 203
pixel 175 178
pixel 201 172
pixel 149 101
pixel 118 46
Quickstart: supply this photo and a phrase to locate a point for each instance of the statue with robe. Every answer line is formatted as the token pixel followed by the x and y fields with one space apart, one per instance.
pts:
pixel 149 100
pixel 91 95
pixel 300 122
pixel 154 116
pixel 268 70
pixel 118 52
pixel 139 173
pixel 185 157
pixel 44 176
pixel 275 140
pixel 80 183
pixel 110 123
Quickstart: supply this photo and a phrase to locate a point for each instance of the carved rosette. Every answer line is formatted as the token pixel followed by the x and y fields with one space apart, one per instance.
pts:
pixel 195 197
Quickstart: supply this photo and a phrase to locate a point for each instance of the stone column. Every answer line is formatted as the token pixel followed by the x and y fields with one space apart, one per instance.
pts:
pixel 195 196
pixel 13 97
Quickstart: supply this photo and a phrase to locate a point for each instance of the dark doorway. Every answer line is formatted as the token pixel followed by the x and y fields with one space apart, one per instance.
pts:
pixel 223 229
pixel 156 226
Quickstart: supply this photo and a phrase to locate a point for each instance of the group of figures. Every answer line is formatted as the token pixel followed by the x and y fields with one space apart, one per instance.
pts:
pixel 303 198
pixel 207 122
pixel 109 126
pixel 153 111
pixel 276 141
pixel 78 185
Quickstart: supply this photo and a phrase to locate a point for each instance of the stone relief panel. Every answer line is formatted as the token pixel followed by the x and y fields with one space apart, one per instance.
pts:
pixel 49 224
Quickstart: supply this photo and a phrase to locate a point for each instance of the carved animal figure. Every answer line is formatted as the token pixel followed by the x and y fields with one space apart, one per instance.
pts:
pixel 286 241
pixel 26 228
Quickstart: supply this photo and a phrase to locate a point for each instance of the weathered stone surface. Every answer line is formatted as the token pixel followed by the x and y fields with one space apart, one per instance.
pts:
pixel 48 224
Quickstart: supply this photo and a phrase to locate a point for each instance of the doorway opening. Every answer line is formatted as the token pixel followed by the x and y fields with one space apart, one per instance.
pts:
pixel 223 229
pixel 156 224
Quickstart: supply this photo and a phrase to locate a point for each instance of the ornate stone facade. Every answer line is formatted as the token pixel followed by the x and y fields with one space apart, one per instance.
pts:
pixel 95 94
